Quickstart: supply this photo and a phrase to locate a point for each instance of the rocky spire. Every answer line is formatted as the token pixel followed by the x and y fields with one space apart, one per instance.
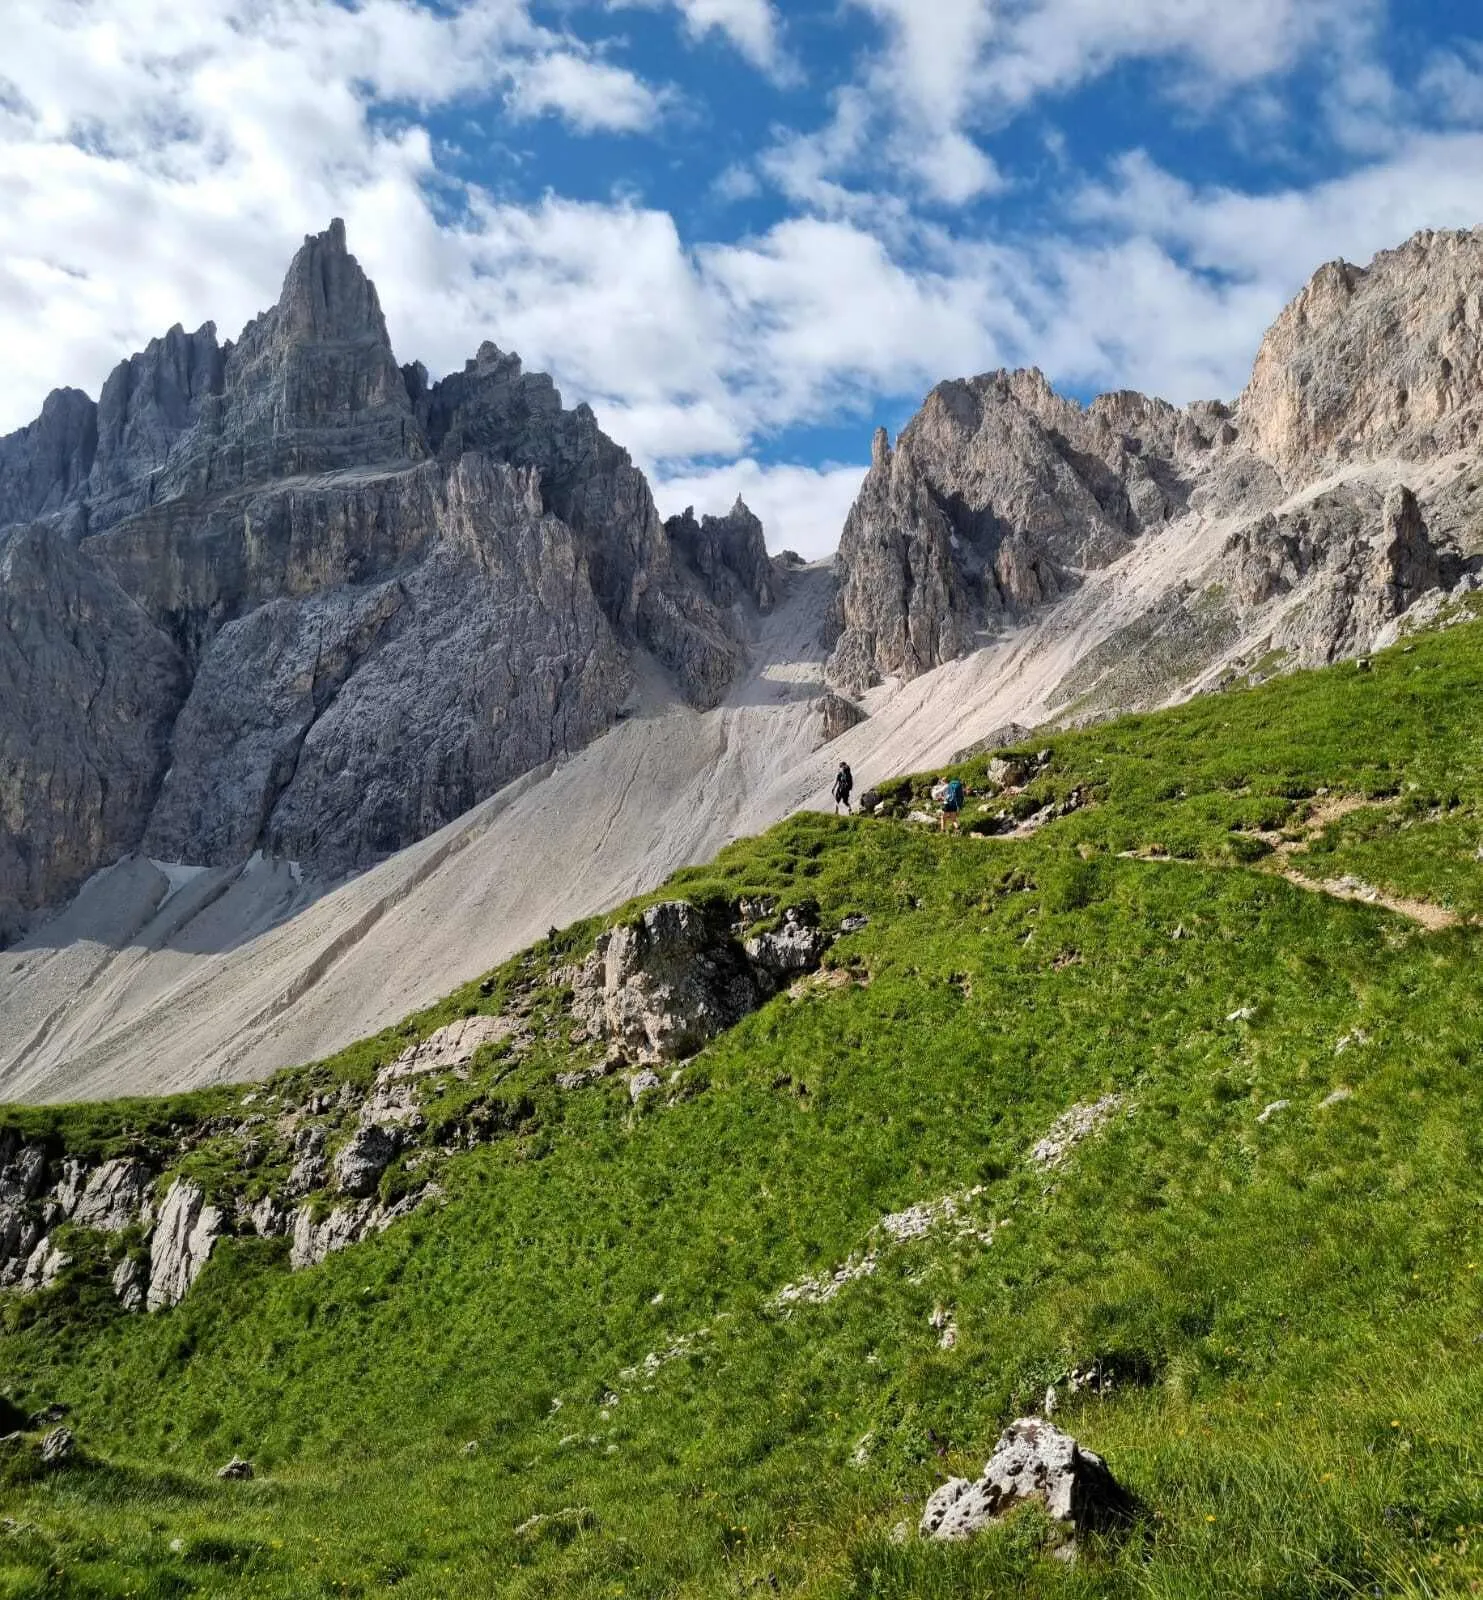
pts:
pixel 45 465
pixel 728 554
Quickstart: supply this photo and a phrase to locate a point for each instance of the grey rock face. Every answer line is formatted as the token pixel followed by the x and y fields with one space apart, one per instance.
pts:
pixel 344 1226
pixel 1033 1461
pixel 309 1167
pixel 183 1241
pixel 311 385
pixel 58 1446
pixel 496 408
pixel 729 554
pixel 837 716
pixel 367 1154
pixel 336 606
pixel 794 948
pixel 131 1283
pixel 89 689
pixel 45 466
pixel 1370 361
pixel 148 404
pixel 665 985
pixel 1364 559
pixel 1000 491
pixel 114 1197
pixel 996 490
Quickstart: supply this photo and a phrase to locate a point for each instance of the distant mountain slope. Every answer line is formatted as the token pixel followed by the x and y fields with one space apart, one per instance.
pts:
pixel 1014 559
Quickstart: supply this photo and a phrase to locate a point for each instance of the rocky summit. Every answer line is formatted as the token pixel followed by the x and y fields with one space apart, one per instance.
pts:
pixel 1342 482
pixel 286 595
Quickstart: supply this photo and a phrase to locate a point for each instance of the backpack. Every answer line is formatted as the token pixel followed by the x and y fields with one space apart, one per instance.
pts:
pixel 955 794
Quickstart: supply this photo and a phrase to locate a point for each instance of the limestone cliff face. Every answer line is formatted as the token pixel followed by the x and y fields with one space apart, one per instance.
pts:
pixel 1367 362
pixel 496 408
pixel 282 594
pixel 1000 495
pixel 996 493
pixel 45 466
pixel 88 692
pixel 337 727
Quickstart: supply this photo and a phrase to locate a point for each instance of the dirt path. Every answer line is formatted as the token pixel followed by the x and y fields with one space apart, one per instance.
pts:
pixel 1286 850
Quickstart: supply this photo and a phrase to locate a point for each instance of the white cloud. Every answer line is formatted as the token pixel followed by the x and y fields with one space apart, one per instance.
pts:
pixel 947 74
pixel 803 509
pixel 1452 85
pixel 752 26
pixel 593 96
pixel 160 165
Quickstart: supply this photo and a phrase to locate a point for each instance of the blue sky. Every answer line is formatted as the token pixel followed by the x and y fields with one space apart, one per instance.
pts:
pixel 747 231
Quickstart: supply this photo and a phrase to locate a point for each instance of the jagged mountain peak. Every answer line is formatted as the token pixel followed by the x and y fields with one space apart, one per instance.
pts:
pixel 1369 361
pixel 385 598
pixel 1001 494
pixel 326 294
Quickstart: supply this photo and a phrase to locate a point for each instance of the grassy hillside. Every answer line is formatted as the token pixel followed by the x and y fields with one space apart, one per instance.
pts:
pixel 1287 1315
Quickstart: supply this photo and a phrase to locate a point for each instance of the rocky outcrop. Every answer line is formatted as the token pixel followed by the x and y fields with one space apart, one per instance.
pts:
pixel 1033 1461
pixel 289 597
pixel 315 1239
pixel 46 465
pixel 116 1196
pixel 791 950
pixel 837 716
pixel 1383 360
pixel 369 1152
pixel 664 985
pixel 183 1241
pixel 650 597
pixel 995 493
pixel 729 554
pixel 1000 493
pixel 1356 561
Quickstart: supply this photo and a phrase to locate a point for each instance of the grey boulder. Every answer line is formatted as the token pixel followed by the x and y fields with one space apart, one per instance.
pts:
pixel 1033 1461
pixel 183 1241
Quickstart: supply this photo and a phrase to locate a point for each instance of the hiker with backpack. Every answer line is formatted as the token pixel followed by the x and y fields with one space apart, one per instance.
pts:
pixel 952 803
pixel 844 787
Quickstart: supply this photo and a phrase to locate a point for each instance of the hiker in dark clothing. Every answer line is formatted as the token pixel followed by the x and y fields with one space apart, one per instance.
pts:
pixel 844 787
pixel 952 804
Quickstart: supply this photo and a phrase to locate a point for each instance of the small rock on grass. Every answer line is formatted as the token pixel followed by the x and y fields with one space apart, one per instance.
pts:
pixel 1272 1110
pixel 58 1446
pixel 1032 1461
pixel 641 1083
pixel 236 1471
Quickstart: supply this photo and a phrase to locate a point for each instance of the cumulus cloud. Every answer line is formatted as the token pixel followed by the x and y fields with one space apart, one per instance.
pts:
pixel 1452 85
pixel 947 74
pixel 160 163
pixel 752 26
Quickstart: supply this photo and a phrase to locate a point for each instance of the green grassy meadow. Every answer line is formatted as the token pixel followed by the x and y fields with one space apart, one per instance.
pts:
pixel 1289 1313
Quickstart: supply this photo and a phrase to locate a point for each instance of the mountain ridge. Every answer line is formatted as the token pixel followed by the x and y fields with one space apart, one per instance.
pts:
pixel 1000 496
pixel 307 525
